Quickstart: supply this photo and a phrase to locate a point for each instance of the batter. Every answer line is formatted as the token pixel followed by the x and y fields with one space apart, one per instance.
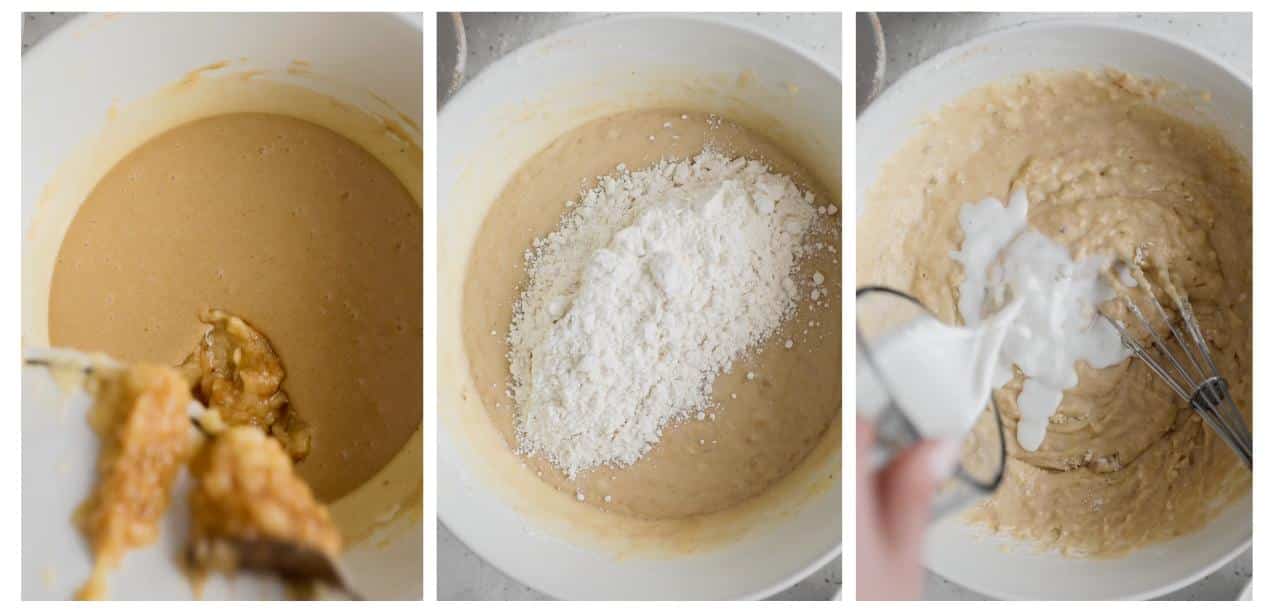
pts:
pixel 766 426
pixel 1123 463
pixel 280 221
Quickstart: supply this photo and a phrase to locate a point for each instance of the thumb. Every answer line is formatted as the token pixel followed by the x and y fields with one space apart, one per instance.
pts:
pixel 907 488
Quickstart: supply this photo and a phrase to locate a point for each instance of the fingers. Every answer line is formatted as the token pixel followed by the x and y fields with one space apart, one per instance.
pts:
pixel 866 439
pixel 867 515
pixel 906 489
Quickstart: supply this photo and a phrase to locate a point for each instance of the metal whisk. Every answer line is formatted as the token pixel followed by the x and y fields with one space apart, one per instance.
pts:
pixel 1201 385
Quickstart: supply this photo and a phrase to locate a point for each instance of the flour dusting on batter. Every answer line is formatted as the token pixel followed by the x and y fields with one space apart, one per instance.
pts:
pixel 655 282
pixel 753 431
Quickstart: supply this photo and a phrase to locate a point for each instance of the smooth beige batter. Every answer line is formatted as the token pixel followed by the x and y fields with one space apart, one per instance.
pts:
pixel 285 223
pixel 765 427
pixel 1124 463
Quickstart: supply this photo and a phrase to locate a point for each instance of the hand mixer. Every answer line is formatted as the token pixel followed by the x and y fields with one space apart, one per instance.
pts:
pixel 1200 385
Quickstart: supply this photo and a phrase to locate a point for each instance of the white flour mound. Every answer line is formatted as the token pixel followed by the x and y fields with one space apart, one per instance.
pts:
pixel 655 282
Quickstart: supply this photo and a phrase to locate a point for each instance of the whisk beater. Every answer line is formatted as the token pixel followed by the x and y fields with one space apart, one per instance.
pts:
pixel 1201 385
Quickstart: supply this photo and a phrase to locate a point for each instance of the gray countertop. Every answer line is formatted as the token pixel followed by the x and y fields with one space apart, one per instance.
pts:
pixel 38 25
pixel 911 38
pixel 462 575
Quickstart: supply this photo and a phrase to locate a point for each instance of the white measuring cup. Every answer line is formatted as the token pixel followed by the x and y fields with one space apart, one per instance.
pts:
pixel 897 393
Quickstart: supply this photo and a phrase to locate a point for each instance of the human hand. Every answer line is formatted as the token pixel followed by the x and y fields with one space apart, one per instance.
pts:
pixel 894 507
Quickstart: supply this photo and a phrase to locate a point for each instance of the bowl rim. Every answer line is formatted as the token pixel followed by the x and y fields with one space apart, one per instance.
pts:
pixel 886 98
pixel 524 53
pixel 527 50
pixel 992 36
pixel 413 20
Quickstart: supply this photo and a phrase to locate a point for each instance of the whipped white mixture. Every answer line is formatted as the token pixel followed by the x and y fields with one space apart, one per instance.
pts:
pixel 939 376
pixel 1005 259
pixel 655 282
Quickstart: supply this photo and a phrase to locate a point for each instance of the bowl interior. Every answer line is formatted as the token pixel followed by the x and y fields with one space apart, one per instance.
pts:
pixel 955 550
pixel 79 86
pixel 486 132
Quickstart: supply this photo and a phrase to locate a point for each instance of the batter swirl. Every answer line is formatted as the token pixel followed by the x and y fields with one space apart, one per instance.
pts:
pixel 1123 463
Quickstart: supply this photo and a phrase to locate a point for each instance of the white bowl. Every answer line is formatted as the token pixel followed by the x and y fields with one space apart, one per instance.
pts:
pixel 91 91
pixel 954 549
pixel 485 132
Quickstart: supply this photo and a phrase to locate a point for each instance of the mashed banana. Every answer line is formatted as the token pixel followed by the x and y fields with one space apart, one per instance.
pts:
pixel 235 371
pixel 139 413
pixel 246 490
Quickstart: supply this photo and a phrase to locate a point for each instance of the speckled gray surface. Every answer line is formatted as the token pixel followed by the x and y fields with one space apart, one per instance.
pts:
pixel 911 38
pixel 462 575
pixel 37 25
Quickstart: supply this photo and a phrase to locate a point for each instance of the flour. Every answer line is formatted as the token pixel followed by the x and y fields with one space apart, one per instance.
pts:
pixel 655 282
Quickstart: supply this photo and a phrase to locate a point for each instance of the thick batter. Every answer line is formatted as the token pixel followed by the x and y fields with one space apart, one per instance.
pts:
pixel 1123 463
pixel 280 221
pixel 766 425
